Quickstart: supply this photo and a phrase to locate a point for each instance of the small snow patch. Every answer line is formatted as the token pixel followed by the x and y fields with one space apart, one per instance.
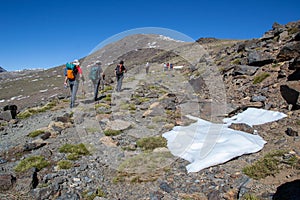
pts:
pixel 43 91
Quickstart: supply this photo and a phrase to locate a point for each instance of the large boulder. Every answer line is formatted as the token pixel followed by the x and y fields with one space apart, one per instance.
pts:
pixel 13 110
pixel 198 84
pixel 6 181
pixel 244 70
pixel 5 115
pixel 289 51
pixel 257 58
pixel 290 93
pixel 288 191
pixel 295 64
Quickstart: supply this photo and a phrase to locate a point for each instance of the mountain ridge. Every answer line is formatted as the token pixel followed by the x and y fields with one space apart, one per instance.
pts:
pixel 118 129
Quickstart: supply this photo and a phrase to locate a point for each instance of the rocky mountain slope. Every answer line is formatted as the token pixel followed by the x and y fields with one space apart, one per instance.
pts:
pixel 2 70
pixel 113 149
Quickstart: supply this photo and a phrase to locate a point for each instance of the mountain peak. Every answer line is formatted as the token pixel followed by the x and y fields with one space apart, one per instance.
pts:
pixel 2 70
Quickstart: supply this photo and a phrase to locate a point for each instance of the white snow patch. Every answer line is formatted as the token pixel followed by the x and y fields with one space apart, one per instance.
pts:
pixel 43 91
pixel 162 37
pixel 206 144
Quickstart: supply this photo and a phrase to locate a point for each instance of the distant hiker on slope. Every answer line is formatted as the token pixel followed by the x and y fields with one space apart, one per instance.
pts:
pixel 119 72
pixel 147 67
pixel 73 74
pixel 97 76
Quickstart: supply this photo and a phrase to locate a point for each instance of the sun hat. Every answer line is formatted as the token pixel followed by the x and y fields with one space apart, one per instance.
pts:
pixel 76 62
pixel 98 62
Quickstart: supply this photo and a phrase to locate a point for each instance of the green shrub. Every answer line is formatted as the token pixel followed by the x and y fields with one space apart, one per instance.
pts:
pixel 31 111
pixel 36 133
pixel 64 164
pixel 269 164
pixel 75 150
pixel 107 88
pixel 127 106
pixel 151 143
pixel 38 162
pixel 236 61
pixel 92 195
pixel 102 105
pixel 110 132
pixel 259 78
pixel 293 30
pixel 249 197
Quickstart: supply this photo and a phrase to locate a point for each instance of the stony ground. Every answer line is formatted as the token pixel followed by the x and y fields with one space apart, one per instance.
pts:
pixel 116 168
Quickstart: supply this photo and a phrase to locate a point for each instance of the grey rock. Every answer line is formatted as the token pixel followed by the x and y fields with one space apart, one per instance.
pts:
pixel 258 98
pixel 198 84
pixel 288 191
pixel 5 115
pixel 165 187
pixel 244 70
pixel 257 58
pixel 32 146
pixel 297 37
pixel 69 196
pixel 242 127
pixel 289 51
pixel 290 132
pixel 28 180
pixel 6 181
pixel 289 94
pixel 295 64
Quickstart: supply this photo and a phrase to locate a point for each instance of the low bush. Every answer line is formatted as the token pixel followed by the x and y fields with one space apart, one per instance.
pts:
pixel 151 143
pixel 64 164
pixel 75 150
pixel 260 78
pixel 38 162
pixel 110 132
pixel 36 133
pixel 270 164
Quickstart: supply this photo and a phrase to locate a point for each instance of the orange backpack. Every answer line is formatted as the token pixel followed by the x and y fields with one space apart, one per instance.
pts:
pixel 71 71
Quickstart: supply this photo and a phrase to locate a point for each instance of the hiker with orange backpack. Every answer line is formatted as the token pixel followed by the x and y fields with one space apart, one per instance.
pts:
pixel 73 74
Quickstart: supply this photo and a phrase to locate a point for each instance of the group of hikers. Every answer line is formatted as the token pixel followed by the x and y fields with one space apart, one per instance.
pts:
pixel 73 76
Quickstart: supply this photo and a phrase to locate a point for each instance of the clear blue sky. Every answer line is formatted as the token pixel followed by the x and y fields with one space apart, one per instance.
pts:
pixel 47 33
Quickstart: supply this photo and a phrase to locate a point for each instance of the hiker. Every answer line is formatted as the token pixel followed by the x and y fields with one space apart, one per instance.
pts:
pixel 119 72
pixel 73 74
pixel 171 66
pixel 165 68
pixel 147 67
pixel 97 76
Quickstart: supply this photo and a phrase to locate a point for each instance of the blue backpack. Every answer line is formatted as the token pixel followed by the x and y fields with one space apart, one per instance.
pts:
pixel 94 73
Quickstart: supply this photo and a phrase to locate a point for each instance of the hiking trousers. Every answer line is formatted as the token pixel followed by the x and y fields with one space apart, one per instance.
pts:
pixel 73 88
pixel 96 88
pixel 119 83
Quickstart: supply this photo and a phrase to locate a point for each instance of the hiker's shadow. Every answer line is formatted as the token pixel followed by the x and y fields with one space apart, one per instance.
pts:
pixel 89 101
pixel 124 89
pixel 101 97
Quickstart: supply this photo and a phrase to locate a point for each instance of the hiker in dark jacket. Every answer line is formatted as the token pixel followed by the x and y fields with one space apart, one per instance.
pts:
pixel 119 72
pixel 97 77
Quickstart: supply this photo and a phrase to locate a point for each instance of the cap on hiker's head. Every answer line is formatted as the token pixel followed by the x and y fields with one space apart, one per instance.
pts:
pixel 98 62
pixel 76 62
pixel 121 62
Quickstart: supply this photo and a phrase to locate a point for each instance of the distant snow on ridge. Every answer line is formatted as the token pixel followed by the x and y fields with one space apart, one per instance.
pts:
pixel 30 69
pixel 162 37
pixel 152 45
